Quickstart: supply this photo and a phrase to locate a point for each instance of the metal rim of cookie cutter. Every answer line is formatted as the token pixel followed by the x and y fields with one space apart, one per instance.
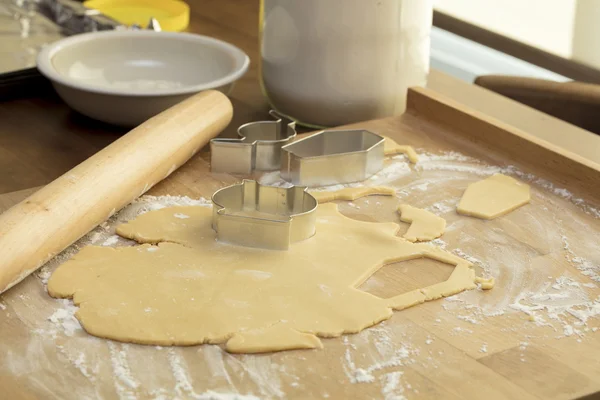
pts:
pixel 282 216
pixel 257 148
pixel 332 157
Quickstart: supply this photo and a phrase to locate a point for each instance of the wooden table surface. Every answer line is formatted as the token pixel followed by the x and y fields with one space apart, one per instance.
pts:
pixel 544 258
pixel 41 138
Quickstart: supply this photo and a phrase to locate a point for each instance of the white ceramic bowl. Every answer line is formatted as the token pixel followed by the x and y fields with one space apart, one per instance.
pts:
pixel 126 77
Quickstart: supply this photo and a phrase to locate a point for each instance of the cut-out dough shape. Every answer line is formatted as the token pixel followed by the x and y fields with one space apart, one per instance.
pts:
pixel 493 197
pixel 424 225
pixel 485 283
pixel 191 289
pixel 351 194
pixel 390 148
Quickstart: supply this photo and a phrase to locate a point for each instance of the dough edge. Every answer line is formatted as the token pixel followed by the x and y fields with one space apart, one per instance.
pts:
pixel 462 278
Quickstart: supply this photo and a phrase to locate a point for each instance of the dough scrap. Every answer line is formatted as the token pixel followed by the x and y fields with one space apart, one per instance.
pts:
pixel 424 225
pixel 191 289
pixel 485 283
pixel 280 336
pixel 390 148
pixel 493 197
pixel 353 193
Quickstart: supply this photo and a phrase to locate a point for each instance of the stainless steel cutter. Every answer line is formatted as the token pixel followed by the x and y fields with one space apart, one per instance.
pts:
pixel 257 148
pixel 250 214
pixel 332 157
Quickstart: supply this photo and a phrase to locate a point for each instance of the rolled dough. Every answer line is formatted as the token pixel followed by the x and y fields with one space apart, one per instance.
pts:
pixel 191 289
pixel 424 225
pixel 391 148
pixel 493 197
pixel 353 193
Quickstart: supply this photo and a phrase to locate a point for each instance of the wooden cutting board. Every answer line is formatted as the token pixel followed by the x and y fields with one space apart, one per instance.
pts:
pixel 535 335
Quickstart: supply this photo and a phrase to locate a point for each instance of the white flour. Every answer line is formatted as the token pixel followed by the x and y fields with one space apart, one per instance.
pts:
pixel 125 383
pixel 586 267
pixel 392 389
pixel 183 385
pixel 561 192
pixel 562 302
pixel 110 241
pixel 443 207
pixel 213 355
pixel 64 318
pixel 80 362
pixel 455 162
pixel 393 169
pixel 384 366
pixel 262 371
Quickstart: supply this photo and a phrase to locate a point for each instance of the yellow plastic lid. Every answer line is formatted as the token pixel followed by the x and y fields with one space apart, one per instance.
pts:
pixel 172 15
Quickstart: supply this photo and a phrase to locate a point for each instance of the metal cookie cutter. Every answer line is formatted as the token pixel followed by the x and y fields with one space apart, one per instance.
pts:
pixel 331 157
pixel 250 214
pixel 258 147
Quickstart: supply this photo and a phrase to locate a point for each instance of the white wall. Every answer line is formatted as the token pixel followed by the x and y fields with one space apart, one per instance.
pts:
pixel 546 24
pixel 586 34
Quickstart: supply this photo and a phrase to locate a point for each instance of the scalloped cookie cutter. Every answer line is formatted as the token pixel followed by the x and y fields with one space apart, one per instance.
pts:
pixel 332 157
pixel 252 215
pixel 257 148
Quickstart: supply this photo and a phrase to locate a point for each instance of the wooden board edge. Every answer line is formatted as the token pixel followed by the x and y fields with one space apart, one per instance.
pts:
pixel 516 144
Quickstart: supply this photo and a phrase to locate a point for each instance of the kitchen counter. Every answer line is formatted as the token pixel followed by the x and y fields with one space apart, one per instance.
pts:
pixel 460 348
pixel 41 138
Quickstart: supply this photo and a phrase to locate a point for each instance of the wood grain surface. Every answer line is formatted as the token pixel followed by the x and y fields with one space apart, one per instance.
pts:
pixel 41 138
pixel 471 346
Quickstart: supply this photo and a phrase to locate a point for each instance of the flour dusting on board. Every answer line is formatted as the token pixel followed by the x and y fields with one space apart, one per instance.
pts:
pixel 125 383
pixel 64 318
pixel 263 372
pixel 562 301
pixel 81 363
pixel 393 169
pixel 184 386
pixel 392 390
pixel 585 266
pixel 568 306
pixel 384 365
pixel 515 249
pixel 563 304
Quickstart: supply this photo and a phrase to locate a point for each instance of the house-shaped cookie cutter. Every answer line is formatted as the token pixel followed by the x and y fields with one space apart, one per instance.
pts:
pixel 257 148
pixel 331 157
pixel 252 215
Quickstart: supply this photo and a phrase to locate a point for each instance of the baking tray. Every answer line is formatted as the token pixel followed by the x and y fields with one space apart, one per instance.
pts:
pixel 497 342
pixel 26 26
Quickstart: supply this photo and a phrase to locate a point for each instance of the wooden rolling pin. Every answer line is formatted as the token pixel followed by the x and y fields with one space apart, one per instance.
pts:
pixel 50 220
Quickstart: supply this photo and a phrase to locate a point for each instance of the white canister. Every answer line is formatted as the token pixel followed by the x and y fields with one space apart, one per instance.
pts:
pixel 332 62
